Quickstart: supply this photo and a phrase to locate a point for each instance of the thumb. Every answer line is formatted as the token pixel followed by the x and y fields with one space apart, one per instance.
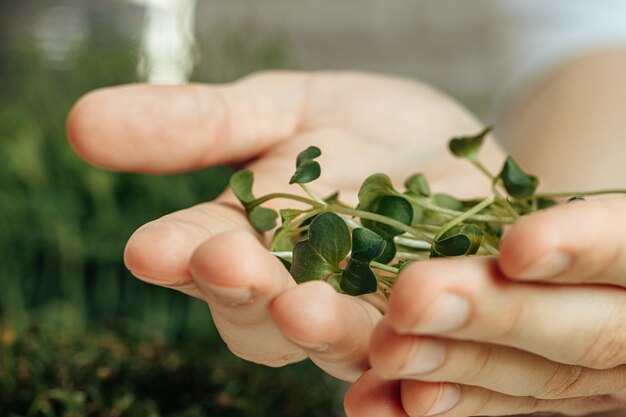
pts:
pixel 581 243
pixel 166 129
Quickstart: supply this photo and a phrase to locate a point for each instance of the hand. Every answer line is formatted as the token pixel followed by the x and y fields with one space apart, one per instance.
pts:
pixel 540 329
pixel 362 123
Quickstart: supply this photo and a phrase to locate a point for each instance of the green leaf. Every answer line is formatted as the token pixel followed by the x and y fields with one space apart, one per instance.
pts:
pixel 366 245
pixel 307 169
pixel 544 203
pixel 358 278
pixel 334 280
pixel 328 243
pixel 377 195
pixel 282 242
pixel 460 240
pixel 287 215
pixel 468 146
pixel 448 202
pixel 262 219
pixel 241 184
pixel 516 182
pixel 374 187
pixel 417 186
pixel 394 207
pixel 308 154
pixel 389 252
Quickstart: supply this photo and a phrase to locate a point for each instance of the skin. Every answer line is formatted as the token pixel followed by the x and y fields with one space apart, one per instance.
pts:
pixel 569 359
pixel 527 347
pixel 362 123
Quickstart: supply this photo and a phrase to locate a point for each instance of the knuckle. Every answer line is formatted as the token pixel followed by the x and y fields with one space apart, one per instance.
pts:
pixel 608 348
pixel 512 323
pixel 481 365
pixel 564 382
pixel 481 405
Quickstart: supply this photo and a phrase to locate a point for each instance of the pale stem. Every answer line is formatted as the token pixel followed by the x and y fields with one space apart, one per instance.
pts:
pixel 384 267
pixel 412 243
pixel 285 255
pixel 312 195
pixel 469 213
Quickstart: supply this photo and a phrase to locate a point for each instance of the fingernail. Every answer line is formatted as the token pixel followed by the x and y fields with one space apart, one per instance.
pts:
pixel 449 396
pixel 233 296
pixel 549 265
pixel 448 312
pixel 425 356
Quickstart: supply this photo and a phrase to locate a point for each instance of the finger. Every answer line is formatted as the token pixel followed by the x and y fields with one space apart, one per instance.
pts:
pixel 372 396
pixel 376 397
pixel 159 252
pixel 333 328
pixel 239 279
pixel 497 368
pixel 451 400
pixel 162 129
pixel 469 299
pixel 580 242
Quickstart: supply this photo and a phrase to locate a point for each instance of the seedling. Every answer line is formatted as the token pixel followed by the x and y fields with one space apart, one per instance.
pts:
pixel 362 249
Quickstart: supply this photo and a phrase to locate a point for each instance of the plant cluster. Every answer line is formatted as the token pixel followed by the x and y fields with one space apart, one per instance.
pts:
pixel 394 228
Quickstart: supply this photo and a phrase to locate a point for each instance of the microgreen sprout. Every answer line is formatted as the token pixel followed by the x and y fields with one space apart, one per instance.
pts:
pixel 395 228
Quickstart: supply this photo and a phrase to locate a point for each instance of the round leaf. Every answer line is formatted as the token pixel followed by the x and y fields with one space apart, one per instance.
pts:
pixel 308 264
pixel 307 169
pixel 516 182
pixel 468 146
pixel 358 279
pixel 262 219
pixel 306 172
pixel 328 243
pixel 366 245
pixel 308 154
pixel 389 251
pixel 374 187
pixel 241 184
pixel 416 185
pixel 460 240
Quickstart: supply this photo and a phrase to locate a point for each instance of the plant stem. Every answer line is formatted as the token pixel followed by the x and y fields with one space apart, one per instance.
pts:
pixel 507 206
pixel 300 229
pixel 412 243
pixel 423 203
pixel 286 228
pixel 285 255
pixel 409 255
pixel 482 168
pixel 377 218
pixel 490 249
pixel 312 195
pixel 571 193
pixel 288 196
pixel 384 267
pixel 466 215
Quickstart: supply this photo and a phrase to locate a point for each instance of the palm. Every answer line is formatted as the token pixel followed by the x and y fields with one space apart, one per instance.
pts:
pixel 363 124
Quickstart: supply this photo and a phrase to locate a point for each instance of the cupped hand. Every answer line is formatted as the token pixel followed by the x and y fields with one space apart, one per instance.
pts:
pixel 362 123
pixel 542 328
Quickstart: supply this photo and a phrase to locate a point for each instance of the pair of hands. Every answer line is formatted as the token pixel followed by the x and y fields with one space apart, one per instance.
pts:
pixel 536 330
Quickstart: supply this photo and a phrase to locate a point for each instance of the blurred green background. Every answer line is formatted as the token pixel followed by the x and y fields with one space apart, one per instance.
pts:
pixel 78 335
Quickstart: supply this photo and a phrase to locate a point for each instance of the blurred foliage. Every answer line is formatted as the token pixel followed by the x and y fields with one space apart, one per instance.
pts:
pixel 118 374
pixel 63 227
